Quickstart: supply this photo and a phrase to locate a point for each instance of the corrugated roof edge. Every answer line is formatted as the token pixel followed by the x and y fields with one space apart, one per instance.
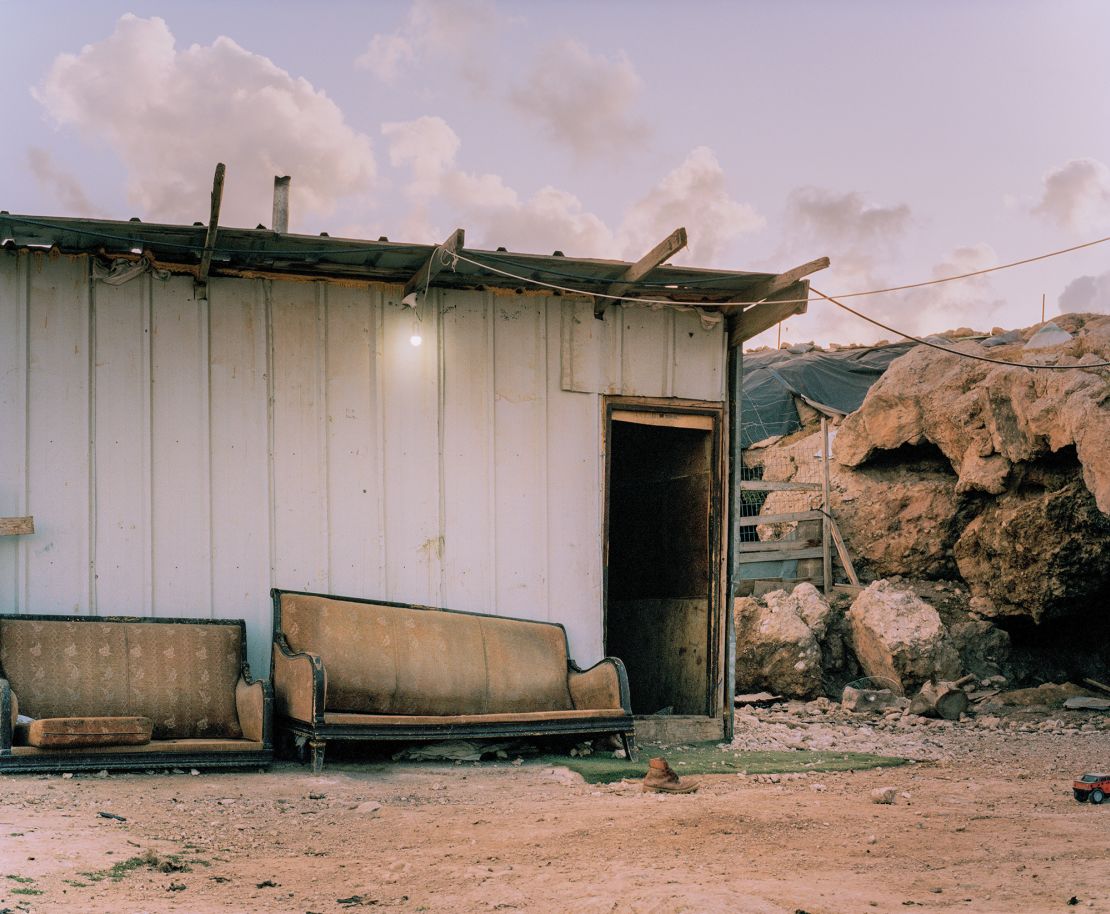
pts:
pixel 261 251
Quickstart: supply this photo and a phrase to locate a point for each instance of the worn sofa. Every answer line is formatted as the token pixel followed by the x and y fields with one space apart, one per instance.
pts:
pixel 129 693
pixel 347 669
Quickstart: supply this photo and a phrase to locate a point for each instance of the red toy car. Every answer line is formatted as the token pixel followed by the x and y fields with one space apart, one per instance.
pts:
pixel 1093 787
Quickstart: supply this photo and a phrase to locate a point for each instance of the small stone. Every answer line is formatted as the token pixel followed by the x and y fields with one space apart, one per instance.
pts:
pixel 517 762
pixel 883 796
pixel 369 808
pixel 872 839
pixel 193 772
pixel 102 773
pixel 67 775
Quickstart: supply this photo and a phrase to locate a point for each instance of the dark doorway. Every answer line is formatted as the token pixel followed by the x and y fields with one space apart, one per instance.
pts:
pixel 662 575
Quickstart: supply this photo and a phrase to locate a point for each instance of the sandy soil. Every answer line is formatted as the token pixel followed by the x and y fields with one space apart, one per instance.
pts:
pixel 989 825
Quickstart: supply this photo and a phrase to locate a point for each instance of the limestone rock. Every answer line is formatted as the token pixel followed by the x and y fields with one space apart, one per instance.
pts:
pixel 984 649
pixel 777 642
pixel 1037 552
pixel 987 418
pixel 898 636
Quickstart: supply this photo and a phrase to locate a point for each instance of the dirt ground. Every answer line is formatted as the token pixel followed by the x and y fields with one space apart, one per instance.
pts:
pixel 987 824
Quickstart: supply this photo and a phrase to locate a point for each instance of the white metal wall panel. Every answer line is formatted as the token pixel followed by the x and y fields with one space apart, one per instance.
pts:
pixel 288 434
pixel 520 456
pixel 410 397
pixel 58 563
pixel 13 424
pixel 470 535
pixel 181 519
pixel 638 351
pixel 574 507
pixel 300 503
pixel 354 474
pixel 121 449
pixel 239 395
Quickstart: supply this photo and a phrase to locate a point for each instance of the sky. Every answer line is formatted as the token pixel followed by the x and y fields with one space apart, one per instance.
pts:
pixel 905 141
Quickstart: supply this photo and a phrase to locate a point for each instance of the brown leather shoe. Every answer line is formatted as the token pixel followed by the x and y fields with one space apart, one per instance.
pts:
pixel 661 778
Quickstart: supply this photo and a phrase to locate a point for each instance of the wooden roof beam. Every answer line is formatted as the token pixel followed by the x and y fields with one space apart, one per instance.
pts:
pixel 658 255
pixel 778 307
pixel 422 278
pixel 201 289
pixel 769 287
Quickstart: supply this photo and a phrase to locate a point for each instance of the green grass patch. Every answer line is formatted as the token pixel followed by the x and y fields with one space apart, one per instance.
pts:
pixel 26 891
pixel 707 758
pixel 171 863
pixel 15 878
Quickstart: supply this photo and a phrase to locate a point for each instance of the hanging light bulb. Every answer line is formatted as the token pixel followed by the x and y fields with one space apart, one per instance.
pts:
pixel 416 338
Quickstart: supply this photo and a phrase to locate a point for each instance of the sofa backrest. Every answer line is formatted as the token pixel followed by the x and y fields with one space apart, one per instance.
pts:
pixel 180 674
pixel 383 659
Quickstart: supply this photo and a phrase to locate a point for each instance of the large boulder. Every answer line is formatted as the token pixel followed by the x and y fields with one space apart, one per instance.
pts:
pixel 1038 552
pixel 987 418
pixel 897 636
pixel 778 642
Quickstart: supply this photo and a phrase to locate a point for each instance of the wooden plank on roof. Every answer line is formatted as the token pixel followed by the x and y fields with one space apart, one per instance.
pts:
pixel 768 287
pixel 423 277
pixel 213 228
pixel 658 255
pixel 17 526
pixel 777 307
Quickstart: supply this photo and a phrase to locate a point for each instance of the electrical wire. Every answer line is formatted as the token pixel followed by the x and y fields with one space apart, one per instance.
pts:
pixel 950 351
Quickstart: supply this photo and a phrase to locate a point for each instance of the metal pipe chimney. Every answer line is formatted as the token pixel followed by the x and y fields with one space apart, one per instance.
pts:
pixel 280 220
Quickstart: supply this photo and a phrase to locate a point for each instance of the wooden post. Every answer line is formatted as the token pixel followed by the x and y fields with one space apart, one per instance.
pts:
pixel 201 287
pixel 280 220
pixel 826 537
pixel 1042 307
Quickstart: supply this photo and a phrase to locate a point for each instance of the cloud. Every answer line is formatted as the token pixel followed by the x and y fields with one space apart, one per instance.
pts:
pixel 858 236
pixel 1076 195
pixel 63 186
pixel 450 30
pixel 171 114
pixel 1086 293
pixel 963 302
pixel 492 212
pixel 582 100
pixel 694 195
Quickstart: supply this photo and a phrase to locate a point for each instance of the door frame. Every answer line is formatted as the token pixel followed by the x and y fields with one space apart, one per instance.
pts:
pixel 715 702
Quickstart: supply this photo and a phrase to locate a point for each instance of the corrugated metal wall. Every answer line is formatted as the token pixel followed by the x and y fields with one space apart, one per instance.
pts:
pixel 180 457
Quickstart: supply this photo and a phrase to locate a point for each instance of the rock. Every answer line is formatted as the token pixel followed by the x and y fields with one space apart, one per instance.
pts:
pixel 777 642
pixel 987 418
pixel 899 637
pixel 883 796
pixel 1084 703
pixel 369 808
pixel 863 700
pixel 984 649
pixel 1039 551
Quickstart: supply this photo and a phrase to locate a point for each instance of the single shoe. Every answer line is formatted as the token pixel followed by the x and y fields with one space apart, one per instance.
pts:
pixel 661 778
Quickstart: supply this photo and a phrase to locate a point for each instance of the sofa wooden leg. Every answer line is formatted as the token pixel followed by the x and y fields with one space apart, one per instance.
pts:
pixel 629 743
pixel 316 747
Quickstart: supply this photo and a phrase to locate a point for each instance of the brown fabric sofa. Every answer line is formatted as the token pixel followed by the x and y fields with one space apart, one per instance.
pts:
pixel 346 668
pixel 129 693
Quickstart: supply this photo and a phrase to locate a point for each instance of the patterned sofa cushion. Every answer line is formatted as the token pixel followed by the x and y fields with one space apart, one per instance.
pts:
pixel 398 660
pixel 85 732
pixel 182 676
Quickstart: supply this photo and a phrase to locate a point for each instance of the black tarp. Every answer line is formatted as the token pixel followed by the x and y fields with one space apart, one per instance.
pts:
pixel 839 380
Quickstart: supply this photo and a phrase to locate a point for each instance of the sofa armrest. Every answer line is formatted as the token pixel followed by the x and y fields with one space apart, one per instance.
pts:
pixel 604 685
pixel 254 700
pixel 9 710
pixel 299 683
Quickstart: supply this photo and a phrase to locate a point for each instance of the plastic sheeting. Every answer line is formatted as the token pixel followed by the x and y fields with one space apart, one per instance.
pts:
pixel 835 382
